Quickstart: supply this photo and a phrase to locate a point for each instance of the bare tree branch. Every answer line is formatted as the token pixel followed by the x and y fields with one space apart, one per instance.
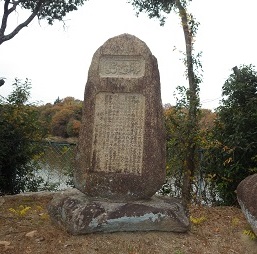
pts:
pixel 9 36
pixel 7 12
pixel 5 17
pixel 15 4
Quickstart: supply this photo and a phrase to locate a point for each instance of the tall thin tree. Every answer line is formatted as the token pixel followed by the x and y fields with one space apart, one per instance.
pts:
pixel 158 9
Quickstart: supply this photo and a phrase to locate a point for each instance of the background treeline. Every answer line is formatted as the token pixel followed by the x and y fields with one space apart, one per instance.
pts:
pixel 63 117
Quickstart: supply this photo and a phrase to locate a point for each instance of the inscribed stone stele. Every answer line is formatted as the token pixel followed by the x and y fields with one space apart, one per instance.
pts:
pixel 121 148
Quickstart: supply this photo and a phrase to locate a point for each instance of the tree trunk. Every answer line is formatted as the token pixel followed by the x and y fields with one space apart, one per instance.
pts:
pixel 190 166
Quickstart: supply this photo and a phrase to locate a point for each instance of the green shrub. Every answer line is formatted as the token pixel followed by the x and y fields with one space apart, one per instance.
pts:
pixel 19 126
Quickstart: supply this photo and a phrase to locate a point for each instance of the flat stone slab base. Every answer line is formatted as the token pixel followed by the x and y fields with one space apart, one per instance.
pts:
pixel 78 214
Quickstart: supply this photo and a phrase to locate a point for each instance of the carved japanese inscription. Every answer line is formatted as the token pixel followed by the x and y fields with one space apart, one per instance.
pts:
pixel 122 66
pixel 118 133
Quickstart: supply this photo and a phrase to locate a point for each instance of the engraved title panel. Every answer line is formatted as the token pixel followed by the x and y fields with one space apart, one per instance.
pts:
pixel 118 133
pixel 122 66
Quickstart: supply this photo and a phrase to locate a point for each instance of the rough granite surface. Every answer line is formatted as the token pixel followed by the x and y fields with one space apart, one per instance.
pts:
pixel 247 198
pixel 78 214
pixel 131 70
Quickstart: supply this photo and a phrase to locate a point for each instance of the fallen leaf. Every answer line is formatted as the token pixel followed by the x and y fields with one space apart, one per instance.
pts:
pixel 5 243
pixel 40 239
pixel 31 233
pixel 44 216
pixel 8 247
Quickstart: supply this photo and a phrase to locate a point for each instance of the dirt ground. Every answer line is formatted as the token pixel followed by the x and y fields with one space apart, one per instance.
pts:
pixel 25 227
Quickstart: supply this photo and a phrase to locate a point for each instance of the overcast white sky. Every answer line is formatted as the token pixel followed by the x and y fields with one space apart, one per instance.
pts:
pixel 56 60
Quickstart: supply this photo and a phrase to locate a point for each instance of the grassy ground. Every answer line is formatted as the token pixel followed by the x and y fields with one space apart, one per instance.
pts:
pixel 29 230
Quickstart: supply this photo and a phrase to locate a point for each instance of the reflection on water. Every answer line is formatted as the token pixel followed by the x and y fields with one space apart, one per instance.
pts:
pixel 56 166
pixel 52 178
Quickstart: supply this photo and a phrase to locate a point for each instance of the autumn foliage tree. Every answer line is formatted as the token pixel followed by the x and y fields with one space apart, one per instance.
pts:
pixel 176 133
pixel 73 128
pixel 63 118
pixel 176 136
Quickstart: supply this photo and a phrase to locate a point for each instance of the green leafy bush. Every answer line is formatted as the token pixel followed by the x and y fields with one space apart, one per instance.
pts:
pixel 19 126
pixel 233 155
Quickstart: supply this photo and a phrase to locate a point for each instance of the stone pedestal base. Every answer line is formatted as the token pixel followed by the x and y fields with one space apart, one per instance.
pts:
pixel 78 214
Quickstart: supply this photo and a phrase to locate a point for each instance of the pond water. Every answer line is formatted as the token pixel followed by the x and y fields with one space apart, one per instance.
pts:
pixel 53 178
pixel 56 166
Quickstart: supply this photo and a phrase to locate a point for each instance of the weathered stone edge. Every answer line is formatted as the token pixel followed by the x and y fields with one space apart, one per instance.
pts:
pixel 252 220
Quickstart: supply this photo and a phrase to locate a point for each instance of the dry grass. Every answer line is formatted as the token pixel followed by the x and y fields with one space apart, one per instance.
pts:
pixel 215 230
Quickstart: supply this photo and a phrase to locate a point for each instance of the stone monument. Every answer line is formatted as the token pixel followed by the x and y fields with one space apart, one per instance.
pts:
pixel 120 161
